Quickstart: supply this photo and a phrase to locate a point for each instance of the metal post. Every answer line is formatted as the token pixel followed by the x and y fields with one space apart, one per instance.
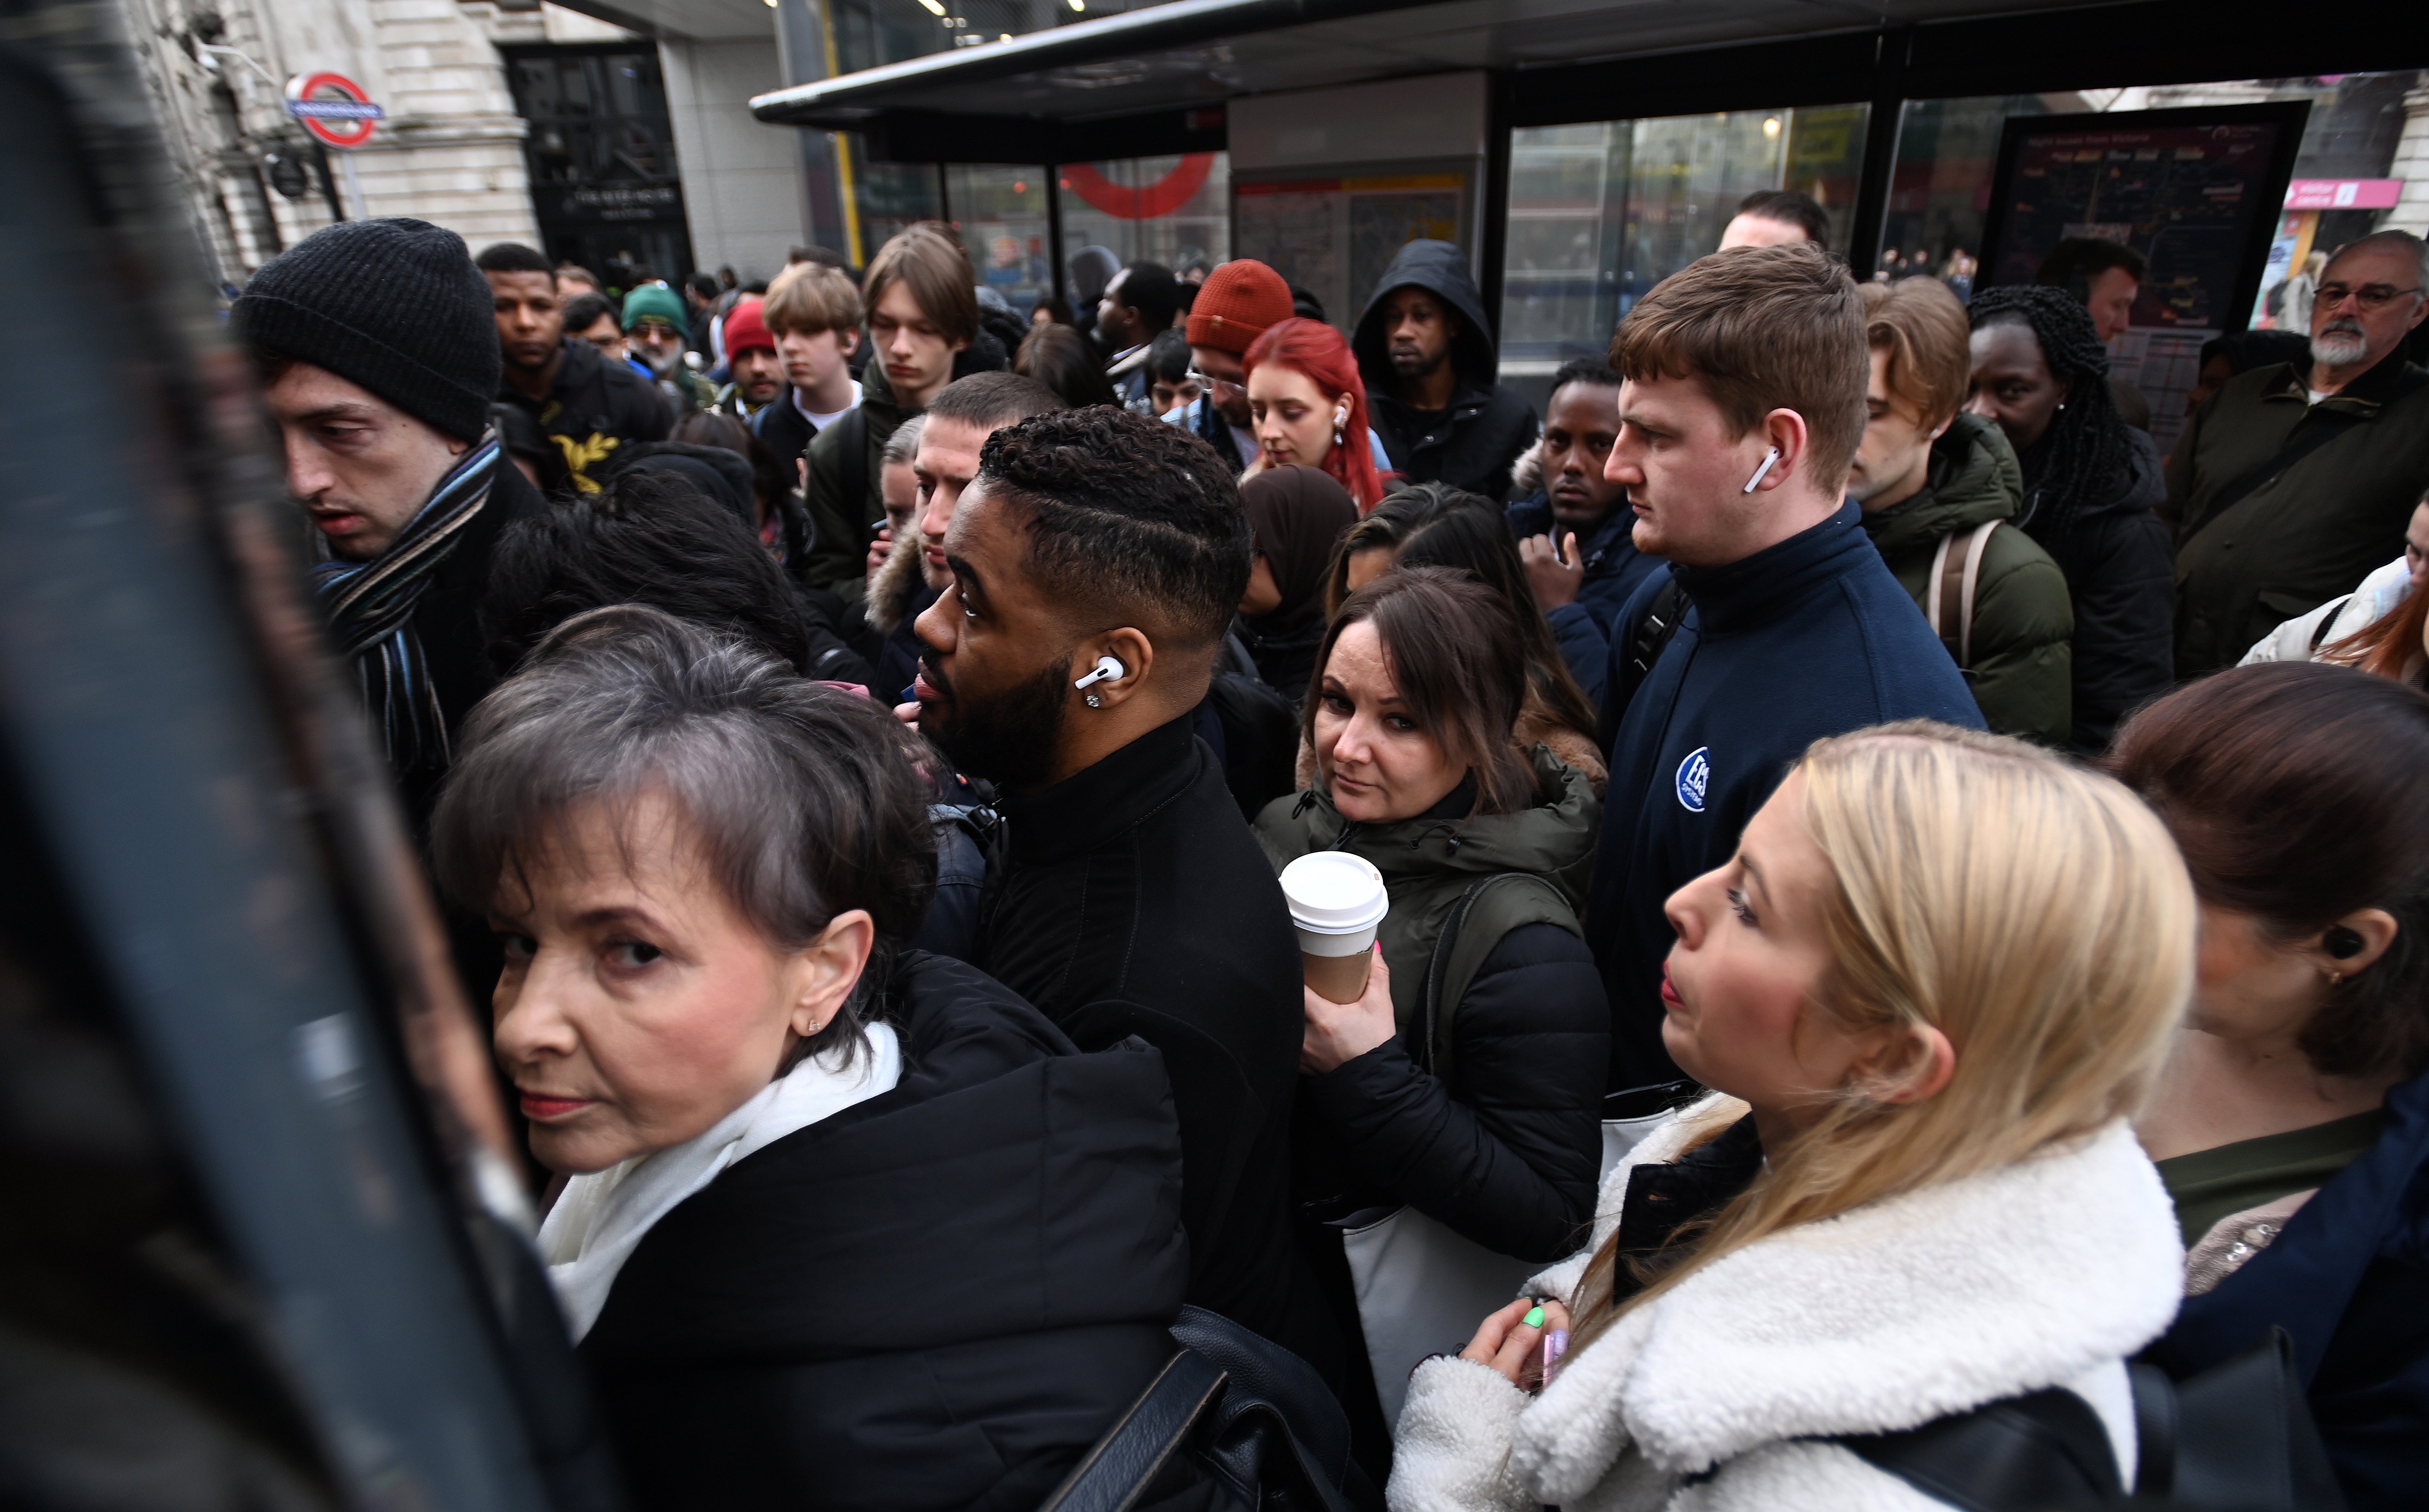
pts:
pixel 1880 150
pixel 1494 231
pixel 354 188
pixel 1054 235
pixel 328 184
pixel 944 196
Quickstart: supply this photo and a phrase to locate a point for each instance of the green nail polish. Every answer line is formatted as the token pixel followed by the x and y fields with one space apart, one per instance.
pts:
pixel 1534 1318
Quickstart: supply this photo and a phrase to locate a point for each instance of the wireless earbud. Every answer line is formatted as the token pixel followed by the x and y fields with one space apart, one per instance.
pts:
pixel 1763 471
pixel 1109 670
pixel 2342 942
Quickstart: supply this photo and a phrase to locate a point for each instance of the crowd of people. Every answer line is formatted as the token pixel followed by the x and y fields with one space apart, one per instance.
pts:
pixel 1861 955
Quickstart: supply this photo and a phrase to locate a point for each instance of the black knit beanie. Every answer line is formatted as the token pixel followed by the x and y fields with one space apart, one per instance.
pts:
pixel 395 305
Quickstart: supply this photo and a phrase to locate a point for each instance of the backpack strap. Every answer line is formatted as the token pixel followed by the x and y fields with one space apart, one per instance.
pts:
pixel 852 476
pixel 1488 910
pixel 1651 636
pixel 1118 1469
pixel 1955 577
pixel 2026 1453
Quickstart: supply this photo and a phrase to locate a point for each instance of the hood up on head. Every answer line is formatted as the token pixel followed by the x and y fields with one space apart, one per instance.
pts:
pixel 1440 268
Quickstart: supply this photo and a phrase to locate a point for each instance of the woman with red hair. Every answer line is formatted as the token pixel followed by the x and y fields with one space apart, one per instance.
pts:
pixel 1310 407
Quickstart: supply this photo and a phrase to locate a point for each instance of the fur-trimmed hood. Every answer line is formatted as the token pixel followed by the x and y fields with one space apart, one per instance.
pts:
pixel 2045 1272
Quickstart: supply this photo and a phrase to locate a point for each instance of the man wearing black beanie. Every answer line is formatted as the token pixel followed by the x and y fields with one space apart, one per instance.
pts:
pixel 379 359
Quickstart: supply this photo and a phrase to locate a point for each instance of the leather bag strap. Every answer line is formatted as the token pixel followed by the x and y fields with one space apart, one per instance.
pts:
pixel 1118 1470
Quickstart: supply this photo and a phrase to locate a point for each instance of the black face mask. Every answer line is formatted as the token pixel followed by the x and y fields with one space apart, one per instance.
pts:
pixel 1008 738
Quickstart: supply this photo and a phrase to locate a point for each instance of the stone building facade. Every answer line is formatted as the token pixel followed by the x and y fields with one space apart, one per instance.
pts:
pixel 450 150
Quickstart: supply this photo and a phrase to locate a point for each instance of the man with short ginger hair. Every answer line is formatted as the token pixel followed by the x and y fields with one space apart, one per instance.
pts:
pixel 1741 410
pixel 1940 489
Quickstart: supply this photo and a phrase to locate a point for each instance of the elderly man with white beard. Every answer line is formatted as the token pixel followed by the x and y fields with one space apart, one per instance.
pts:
pixel 2294 479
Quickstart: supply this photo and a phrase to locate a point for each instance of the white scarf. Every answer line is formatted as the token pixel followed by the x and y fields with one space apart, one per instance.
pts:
pixel 600 1218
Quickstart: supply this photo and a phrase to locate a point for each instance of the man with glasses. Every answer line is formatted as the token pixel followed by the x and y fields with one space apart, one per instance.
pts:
pixel 2296 478
pixel 1238 302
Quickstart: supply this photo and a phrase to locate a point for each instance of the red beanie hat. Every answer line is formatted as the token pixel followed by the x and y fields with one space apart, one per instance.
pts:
pixel 1237 303
pixel 744 330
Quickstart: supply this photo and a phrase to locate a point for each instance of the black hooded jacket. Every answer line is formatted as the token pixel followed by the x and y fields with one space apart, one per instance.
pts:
pixel 937 1298
pixel 1474 443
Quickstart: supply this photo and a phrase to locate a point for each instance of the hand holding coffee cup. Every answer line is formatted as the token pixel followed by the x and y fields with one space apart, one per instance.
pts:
pixel 1337 901
pixel 1335 1033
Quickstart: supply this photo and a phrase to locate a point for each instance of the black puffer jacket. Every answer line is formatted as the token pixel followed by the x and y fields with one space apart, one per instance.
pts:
pixel 2121 569
pixel 1474 443
pixel 1505 1149
pixel 937 1298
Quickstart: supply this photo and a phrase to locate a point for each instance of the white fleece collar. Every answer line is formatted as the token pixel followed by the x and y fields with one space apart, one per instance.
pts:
pixel 600 1218
pixel 1878 1320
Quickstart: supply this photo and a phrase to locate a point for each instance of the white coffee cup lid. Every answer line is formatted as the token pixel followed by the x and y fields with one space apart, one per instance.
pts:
pixel 1332 891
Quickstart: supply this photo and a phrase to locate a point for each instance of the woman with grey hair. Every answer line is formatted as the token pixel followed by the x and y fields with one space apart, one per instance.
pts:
pixel 844 1224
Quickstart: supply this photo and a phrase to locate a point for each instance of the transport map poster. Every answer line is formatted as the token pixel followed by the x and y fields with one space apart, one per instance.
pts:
pixel 2195 190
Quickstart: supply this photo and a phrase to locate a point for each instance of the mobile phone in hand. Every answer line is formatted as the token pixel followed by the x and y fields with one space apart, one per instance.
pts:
pixel 1545 1362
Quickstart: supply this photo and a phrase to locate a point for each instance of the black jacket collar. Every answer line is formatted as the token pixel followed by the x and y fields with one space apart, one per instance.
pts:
pixel 1756 591
pixel 1096 806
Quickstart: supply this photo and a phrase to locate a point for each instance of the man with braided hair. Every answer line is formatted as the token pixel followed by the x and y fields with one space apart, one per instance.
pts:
pixel 2090 484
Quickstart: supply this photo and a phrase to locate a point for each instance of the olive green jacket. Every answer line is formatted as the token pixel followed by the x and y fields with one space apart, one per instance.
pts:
pixel 2312 528
pixel 1429 863
pixel 2022 673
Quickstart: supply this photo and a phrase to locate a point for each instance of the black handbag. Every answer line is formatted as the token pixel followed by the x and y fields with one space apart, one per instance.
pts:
pixel 1233 1422
pixel 2237 1437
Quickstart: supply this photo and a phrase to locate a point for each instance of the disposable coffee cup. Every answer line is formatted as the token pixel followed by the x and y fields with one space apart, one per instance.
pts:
pixel 1336 902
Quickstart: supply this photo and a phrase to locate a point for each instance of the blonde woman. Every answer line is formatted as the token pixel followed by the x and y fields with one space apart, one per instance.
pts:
pixel 1940 972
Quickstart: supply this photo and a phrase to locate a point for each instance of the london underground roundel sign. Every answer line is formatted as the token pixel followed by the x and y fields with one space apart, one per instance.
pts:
pixel 333 108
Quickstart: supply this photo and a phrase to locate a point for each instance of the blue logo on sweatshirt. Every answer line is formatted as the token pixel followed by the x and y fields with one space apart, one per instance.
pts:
pixel 1694 775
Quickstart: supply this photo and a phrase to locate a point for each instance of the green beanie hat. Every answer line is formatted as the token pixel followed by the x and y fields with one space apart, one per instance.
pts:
pixel 656 300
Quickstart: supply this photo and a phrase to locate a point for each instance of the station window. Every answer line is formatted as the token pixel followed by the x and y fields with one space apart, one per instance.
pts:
pixel 1175 210
pixel 1603 211
pixel 1001 213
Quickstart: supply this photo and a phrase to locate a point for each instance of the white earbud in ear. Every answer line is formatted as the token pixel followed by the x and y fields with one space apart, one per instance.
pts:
pixel 1763 471
pixel 1109 670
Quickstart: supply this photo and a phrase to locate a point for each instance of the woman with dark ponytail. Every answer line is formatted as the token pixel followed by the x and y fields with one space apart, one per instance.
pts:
pixel 2090 484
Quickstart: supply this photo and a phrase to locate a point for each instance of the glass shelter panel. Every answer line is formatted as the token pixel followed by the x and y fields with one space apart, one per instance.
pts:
pixel 1174 209
pixel 1603 211
pixel 1001 213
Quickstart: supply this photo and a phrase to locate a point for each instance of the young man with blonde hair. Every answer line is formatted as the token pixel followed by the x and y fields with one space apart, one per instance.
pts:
pixel 1939 490
pixel 921 298
pixel 1741 410
pixel 813 314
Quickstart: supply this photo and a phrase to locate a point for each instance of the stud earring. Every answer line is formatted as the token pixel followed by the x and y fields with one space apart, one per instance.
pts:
pixel 1095 702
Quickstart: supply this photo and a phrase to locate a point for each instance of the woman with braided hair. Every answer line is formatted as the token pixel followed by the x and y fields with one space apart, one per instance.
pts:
pixel 2090 484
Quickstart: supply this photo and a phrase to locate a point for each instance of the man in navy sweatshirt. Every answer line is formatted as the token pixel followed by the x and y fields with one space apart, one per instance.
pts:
pixel 1741 406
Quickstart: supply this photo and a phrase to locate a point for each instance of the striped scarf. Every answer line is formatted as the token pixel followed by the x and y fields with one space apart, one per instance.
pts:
pixel 370 605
